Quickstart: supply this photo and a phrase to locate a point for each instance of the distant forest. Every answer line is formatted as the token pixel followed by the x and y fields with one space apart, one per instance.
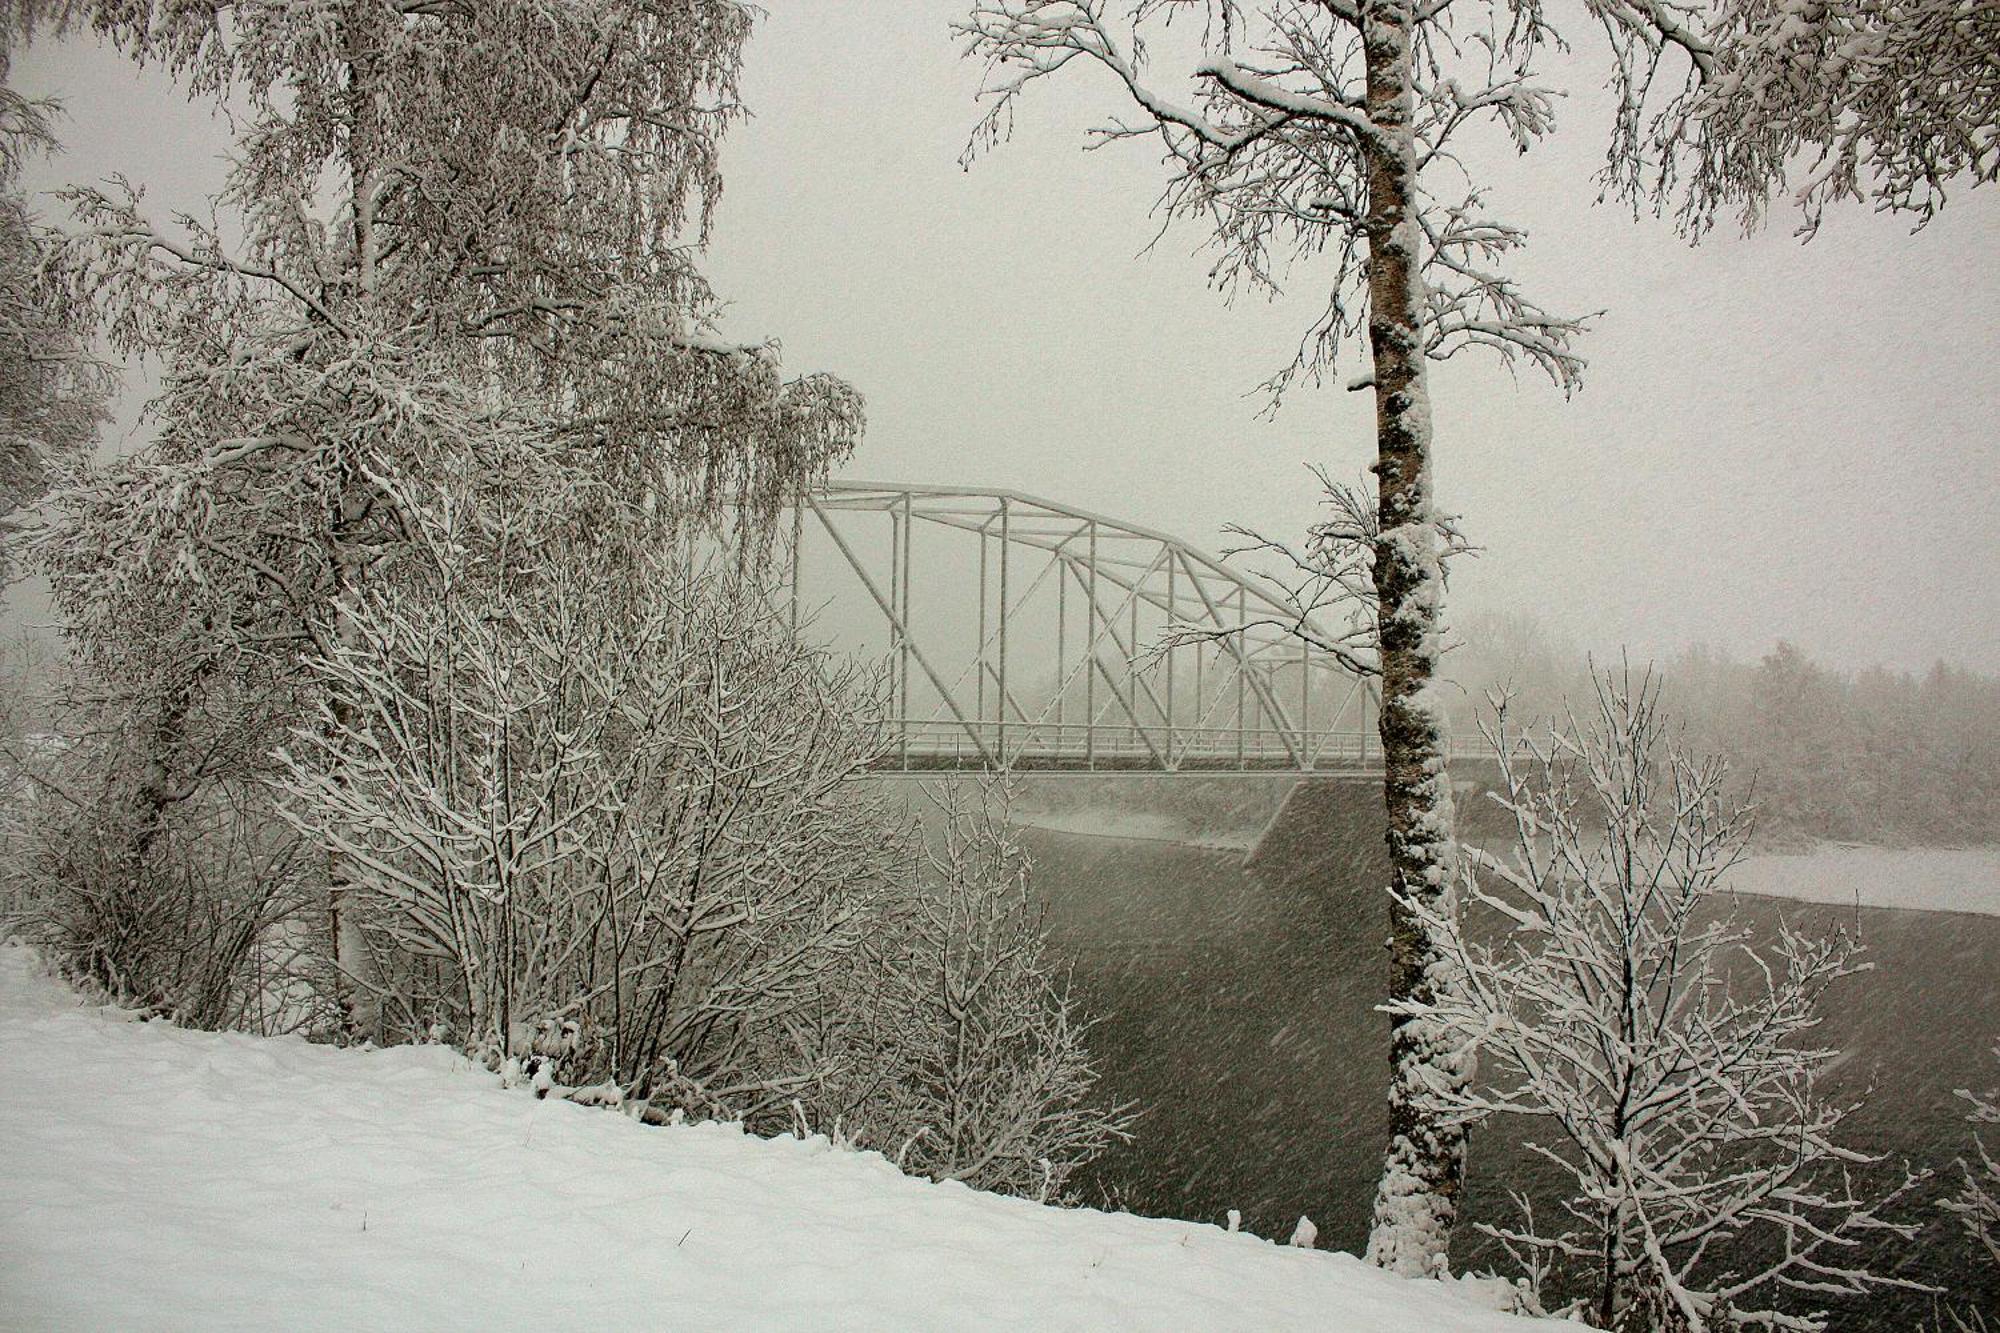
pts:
pixel 1872 756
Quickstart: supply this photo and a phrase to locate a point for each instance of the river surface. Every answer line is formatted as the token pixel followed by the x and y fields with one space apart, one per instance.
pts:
pixel 1234 1006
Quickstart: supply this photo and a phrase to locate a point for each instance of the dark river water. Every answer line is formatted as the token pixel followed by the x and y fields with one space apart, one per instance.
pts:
pixel 1235 1007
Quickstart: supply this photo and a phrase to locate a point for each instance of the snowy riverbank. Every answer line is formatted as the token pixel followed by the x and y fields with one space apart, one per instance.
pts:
pixel 165 1179
pixel 1135 826
pixel 1929 879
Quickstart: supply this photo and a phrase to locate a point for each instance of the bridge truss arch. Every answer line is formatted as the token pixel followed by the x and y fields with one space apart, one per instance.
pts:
pixel 1021 634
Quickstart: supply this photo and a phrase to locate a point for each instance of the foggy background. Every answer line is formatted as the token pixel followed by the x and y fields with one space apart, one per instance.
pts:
pixel 1772 441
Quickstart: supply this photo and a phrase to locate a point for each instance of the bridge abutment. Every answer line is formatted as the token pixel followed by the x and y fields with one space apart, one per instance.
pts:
pixel 1333 828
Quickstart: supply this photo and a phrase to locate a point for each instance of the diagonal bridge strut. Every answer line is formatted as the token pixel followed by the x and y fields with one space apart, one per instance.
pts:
pixel 1021 634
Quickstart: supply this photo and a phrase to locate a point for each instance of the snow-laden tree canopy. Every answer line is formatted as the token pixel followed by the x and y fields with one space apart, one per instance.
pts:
pixel 515 187
pixel 52 390
pixel 443 223
pixel 1890 102
pixel 1269 132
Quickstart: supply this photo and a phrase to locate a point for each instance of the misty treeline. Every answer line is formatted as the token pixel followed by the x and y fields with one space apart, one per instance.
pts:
pixel 420 678
pixel 1877 756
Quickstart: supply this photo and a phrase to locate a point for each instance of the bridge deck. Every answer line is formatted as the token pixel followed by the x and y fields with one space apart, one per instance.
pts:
pixel 926 765
pixel 927 747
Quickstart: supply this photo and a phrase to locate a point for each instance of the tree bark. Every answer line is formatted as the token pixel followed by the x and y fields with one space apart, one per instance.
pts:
pixel 1416 1202
pixel 364 38
pixel 158 786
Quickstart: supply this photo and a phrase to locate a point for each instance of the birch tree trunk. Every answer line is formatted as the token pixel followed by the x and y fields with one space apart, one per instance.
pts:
pixel 1416 1202
pixel 158 786
pixel 363 40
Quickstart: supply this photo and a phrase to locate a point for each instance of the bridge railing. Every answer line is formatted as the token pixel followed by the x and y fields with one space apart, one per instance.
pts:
pixel 926 745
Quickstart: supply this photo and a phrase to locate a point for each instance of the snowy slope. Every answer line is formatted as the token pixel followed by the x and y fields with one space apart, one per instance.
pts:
pixel 160 1179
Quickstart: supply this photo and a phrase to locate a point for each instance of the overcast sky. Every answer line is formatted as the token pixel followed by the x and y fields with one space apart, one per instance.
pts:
pixel 1772 441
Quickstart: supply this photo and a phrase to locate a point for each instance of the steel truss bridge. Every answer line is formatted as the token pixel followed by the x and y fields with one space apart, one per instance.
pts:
pixel 1020 634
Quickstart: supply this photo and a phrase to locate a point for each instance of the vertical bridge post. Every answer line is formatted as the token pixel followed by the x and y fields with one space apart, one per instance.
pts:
pixel 1147 596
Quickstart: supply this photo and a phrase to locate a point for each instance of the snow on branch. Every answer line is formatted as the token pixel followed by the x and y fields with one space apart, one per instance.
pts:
pixel 1470 301
pixel 1327 587
pixel 1977 1205
pixel 1269 145
pixel 515 200
pixel 53 388
pixel 1665 1059
pixel 1891 103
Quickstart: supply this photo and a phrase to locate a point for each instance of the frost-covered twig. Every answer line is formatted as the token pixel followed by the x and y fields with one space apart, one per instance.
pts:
pixel 1666 1061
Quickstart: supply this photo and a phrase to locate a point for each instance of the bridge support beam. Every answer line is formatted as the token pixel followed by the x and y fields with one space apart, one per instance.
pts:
pixel 1338 823
pixel 1148 602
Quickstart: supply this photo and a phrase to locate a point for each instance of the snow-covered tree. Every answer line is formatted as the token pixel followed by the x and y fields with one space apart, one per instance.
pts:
pixel 589 791
pixel 208 930
pixel 1326 131
pixel 1664 1060
pixel 1336 137
pixel 52 390
pixel 1885 101
pixel 459 224
pixel 961 1049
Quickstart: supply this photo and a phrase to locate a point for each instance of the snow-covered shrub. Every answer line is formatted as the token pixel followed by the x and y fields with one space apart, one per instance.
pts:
pixel 189 918
pixel 146 839
pixel 1663 1058
pixel 589 797
pixel 963 1055
pixel 593 802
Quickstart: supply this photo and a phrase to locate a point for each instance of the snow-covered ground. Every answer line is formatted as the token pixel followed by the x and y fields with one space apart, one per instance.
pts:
pixel 1933 879
pixel 161 1179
